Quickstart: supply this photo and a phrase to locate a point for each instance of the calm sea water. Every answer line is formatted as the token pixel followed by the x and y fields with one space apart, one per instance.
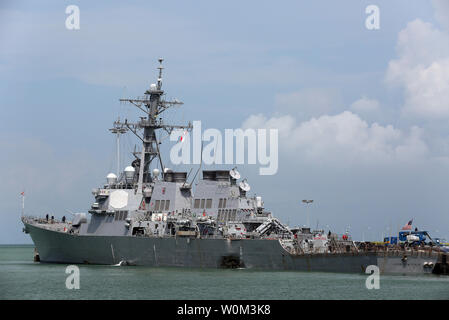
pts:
pixel 21 278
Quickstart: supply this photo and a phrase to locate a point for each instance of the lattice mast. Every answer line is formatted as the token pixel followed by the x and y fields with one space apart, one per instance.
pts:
pixel 153 105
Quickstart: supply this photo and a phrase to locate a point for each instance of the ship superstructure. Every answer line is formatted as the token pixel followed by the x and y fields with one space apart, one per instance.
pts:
pixel 142 201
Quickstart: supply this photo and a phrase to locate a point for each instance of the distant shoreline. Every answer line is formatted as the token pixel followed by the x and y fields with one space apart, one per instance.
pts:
pixel 16 245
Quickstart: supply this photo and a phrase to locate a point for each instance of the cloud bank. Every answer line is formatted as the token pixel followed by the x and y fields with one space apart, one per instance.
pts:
pixel 344 138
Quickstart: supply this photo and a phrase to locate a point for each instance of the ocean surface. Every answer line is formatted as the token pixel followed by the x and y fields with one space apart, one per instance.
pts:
pixel 21 278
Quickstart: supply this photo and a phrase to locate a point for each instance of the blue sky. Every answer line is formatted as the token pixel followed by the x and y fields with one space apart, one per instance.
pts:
pixel 362 113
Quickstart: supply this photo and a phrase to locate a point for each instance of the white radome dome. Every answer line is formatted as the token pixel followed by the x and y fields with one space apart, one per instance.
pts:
pixel 129 173
pixel 111 178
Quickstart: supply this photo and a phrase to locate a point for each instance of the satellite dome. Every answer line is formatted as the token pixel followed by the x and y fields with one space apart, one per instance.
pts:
pixel 111 178
pixel 156 172
pixel 129 173
pixel 153 87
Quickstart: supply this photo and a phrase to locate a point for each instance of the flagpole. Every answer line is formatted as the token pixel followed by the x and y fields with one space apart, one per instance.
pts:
pixel 23 202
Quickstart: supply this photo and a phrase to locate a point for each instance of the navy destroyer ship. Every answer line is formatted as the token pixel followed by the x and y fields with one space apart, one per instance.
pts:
pixel 151 215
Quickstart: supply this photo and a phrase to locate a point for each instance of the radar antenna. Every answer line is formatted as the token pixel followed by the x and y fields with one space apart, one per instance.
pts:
pixel 244 185
pixel 234 173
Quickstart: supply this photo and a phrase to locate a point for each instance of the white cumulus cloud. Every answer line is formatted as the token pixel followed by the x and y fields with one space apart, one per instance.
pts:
pixel 442 12
pixel 344 137
pixel 365 105
pixel 422 69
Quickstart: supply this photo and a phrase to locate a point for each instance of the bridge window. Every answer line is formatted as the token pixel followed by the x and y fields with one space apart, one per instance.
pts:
pixel 221 203
pixel 120 215
pixel 162 205
pixel 202 203
pixel 233 214
pixel 209 203
pixel 156 207
pixel 197 204
pixel 167 205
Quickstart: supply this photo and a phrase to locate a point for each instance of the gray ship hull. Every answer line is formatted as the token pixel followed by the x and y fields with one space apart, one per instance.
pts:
pixel 260 254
